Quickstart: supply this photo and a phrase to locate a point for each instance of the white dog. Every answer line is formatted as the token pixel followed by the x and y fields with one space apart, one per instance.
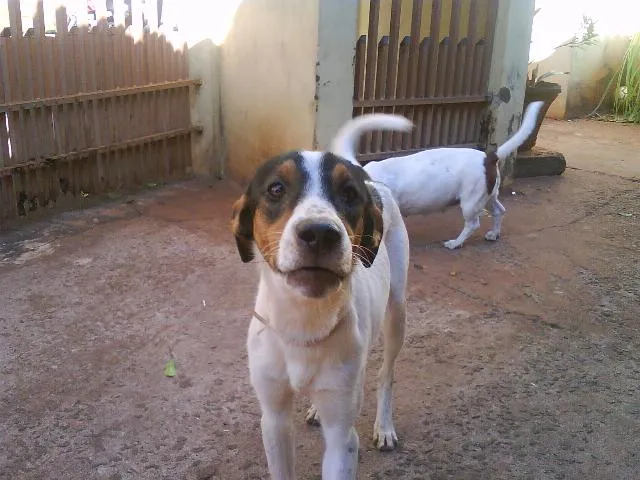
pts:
pixel 335 256
pixel 432 180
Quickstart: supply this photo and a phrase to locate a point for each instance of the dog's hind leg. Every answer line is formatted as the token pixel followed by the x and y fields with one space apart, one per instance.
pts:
pixel 384 433
pixel 497 212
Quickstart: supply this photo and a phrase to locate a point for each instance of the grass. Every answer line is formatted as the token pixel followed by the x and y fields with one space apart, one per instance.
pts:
pixel 626 103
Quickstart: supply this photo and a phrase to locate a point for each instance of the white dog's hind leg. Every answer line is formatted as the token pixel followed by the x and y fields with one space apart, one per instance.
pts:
pixel 497 212
pixel 384 432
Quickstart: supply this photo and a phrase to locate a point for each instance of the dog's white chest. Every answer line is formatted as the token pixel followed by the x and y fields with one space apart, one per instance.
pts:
pixel 315 369
pixel 301 373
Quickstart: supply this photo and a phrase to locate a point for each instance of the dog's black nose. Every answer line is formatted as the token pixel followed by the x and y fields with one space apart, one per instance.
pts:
pixel 318 236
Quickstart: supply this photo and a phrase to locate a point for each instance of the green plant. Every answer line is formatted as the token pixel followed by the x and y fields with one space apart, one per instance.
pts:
pixel 626 104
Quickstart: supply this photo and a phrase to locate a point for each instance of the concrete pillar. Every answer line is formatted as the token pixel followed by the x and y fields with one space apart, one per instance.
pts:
pixel 269 82
pixel 203 26
pixel 206 147
pixel 508 73
pixel 287 78
pixel 337 35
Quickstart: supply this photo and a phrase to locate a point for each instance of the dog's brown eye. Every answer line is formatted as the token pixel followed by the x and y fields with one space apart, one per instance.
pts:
pixel 349 194
pixel 276 190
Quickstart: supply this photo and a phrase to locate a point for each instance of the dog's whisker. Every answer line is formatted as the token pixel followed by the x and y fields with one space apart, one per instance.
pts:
pixel 366 250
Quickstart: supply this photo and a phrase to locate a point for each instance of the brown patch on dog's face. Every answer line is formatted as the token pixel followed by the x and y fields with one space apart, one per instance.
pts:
pixel 491 170
pixel 357 205
pixel 260 215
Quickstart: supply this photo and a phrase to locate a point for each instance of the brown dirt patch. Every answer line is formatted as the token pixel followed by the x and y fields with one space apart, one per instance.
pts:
pixel 521 358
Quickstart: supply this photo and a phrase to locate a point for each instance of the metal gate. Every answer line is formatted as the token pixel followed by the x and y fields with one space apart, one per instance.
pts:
pixel 428 61
pixel 88 110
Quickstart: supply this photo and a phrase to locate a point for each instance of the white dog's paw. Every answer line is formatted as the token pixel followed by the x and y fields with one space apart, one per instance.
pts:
pixel 313 417
pixel 385 439
pixel 452 244
pixel 492 236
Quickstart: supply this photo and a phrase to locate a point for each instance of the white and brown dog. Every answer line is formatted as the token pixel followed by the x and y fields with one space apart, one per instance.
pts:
pixel 432 180
pixel 335 256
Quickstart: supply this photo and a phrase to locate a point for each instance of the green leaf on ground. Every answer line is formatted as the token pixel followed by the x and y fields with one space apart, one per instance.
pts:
pixel 170 368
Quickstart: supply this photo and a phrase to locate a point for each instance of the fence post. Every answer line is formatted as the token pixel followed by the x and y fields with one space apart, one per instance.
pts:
pixel 508 74
pixel 337 35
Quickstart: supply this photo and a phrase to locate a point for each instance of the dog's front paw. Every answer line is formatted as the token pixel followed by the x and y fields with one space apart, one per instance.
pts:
pixel 313 417
pixel 452 244
pixel 385 439
pixel 492 236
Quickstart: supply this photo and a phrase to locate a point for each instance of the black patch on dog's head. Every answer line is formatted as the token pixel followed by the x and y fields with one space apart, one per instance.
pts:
pixel 344 184
pixel 346 187
pixel 377 199
pixel 259 216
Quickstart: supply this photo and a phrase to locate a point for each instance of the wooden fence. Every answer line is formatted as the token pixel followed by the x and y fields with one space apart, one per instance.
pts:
pixel 437 81
pixel 88 111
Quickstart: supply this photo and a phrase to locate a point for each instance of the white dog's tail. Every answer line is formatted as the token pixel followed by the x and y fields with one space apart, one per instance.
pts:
pixel 344 143
pixel 526 127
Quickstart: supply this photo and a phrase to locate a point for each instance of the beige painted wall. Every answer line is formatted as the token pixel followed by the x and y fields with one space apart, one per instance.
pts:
pixel 560 61
pixel 268 82
pixel 590 69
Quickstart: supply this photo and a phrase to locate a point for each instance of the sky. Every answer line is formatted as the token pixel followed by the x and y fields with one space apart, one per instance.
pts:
pixel 558 20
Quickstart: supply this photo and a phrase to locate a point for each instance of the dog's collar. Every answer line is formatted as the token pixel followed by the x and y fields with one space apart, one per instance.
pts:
pixel 309 343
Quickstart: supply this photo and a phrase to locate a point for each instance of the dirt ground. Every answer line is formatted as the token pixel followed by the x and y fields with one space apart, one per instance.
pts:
pixel 522 358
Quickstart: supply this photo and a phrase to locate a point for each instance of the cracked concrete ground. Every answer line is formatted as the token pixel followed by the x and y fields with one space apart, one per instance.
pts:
pixel 521 358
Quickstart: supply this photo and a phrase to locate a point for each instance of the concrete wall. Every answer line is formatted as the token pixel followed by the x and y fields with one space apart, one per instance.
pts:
pixel 590 69
pixel 207 147
pixel 269 82
pixel 560 61
pixel 287 77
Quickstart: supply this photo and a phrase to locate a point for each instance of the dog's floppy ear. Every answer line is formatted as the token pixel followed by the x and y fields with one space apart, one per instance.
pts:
pixel 242 227
pixel 372 231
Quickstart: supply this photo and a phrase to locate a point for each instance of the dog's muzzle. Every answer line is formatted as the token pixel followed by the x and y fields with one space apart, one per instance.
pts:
pixel 318 245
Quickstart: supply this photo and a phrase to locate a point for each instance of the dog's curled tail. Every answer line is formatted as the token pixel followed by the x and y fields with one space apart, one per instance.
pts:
pixel 526 127
pixel 344 143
